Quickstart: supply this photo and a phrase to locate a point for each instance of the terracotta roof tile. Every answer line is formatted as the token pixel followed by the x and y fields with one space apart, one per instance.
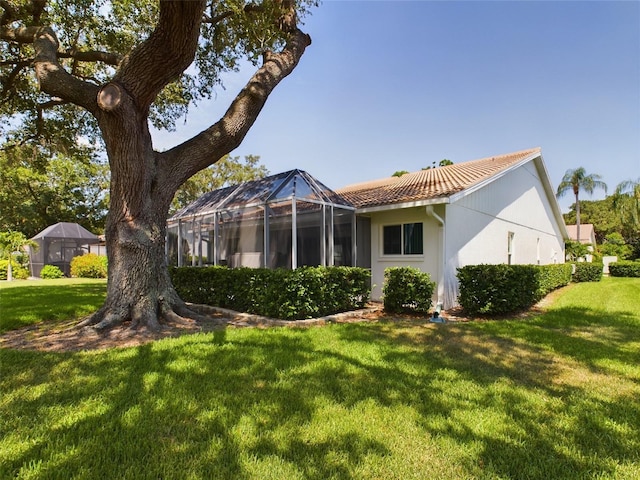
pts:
pixel 430 184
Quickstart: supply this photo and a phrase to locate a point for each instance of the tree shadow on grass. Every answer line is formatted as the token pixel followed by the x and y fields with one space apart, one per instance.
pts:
pixel 254 403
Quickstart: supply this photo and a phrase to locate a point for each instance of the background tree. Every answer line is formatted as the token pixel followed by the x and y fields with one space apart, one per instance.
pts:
pixel 626 200
pixel 444 162
pixel 38 189
pixel 399 173
pixel 11 242
pixel 228 171
pixel 614 244
pixel 602 214
pixel 576 180
pixel 598 213
pixel 105 71
pixel 575 250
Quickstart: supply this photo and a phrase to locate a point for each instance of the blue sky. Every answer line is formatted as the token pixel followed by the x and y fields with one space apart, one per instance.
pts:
pixel 398 85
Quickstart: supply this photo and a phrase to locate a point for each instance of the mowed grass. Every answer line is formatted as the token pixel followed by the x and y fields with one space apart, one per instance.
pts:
pixel 29 302
pixel 551 397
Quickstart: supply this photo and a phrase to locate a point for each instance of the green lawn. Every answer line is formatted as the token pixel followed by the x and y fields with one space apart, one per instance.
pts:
pixel 552 397
pixel 28 302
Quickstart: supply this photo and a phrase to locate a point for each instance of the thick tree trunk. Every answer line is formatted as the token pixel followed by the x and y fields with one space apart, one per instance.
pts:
pixel 143 182
pixel 139 289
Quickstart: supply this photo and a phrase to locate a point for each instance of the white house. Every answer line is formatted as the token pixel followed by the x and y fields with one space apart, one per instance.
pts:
pixel 587 234
pixel 493 210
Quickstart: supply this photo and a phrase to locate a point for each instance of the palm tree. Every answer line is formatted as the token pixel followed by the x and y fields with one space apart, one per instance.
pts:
pixel 626 200
pixel 10 242
pixel 576 180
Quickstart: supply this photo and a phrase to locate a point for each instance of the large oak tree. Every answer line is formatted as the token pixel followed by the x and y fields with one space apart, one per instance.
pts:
pixel 107 69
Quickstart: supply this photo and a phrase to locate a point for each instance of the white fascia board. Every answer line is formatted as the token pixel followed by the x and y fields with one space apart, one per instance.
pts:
pixel 551 195
pixel 398 206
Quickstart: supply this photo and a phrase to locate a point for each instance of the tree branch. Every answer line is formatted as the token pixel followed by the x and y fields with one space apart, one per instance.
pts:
pixel 18 35
pixel 209 146
pixel 7 82
pixel 37 10
pixel 9 12
pixel 218 18
pixel 165 55
pixel 54 79
pixel 92 56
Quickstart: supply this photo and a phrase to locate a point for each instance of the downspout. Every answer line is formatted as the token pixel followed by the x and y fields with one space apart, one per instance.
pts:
pixel 443 262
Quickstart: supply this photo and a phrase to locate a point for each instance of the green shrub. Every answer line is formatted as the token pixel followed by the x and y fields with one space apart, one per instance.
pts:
pixel 624 269
pixel 587 272
pixel 51 271
pixel 306 292
pixel 498 289
pixel 89 265
pixel 17 271
pixel 553 276
pixel 501 289
pixel 407 289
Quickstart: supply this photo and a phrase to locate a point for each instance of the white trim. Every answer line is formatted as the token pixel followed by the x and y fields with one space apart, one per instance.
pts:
pixel 396 206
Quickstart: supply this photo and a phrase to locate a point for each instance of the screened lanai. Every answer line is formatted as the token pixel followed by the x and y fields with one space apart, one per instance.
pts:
pixel 58 244
pixel 285 220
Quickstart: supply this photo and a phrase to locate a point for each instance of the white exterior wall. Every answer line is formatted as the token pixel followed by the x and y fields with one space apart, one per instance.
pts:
pixel 478 226
pixel 430 261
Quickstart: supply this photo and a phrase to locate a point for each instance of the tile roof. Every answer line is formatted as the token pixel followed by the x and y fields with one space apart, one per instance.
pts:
pixel 439 182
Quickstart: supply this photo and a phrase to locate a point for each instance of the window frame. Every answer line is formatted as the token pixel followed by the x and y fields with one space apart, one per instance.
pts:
pixel 402 243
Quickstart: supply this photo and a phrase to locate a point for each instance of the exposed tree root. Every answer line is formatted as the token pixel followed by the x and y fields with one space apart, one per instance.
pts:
pixel 144 317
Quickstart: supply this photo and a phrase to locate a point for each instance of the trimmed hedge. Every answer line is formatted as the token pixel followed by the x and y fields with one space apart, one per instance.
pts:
pixel 501 289
pixel 587 272
pixel 497 289
pixel 407 289
pixel 89 265
pixel 624 268
pixel 306 292
pixel 51 272
pixel 552 277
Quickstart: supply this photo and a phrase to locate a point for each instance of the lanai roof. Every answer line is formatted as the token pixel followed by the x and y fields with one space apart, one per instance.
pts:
pixel 66 230
pixel 434 183
pixel 281 186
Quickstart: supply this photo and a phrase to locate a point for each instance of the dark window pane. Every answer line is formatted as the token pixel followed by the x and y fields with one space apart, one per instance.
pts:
pixel 413 238
pixel 392 240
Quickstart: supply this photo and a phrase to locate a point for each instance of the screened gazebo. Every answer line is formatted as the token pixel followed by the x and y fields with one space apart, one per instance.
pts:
pixel 286 220
pixel 58 244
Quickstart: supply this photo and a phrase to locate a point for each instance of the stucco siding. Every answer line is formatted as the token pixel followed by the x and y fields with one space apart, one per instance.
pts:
pixel 430 261
pixel 509 221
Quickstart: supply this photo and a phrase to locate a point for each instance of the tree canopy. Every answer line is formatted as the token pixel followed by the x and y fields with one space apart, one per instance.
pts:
pixel 98 73
pixel 38 190
pixel 78 46
pixel 228 171
pixel 626 200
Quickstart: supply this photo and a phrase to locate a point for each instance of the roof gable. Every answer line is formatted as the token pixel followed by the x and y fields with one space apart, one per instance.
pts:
pixel 587 232
pixel 434 183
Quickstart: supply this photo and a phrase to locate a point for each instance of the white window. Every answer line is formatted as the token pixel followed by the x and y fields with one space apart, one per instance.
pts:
pixel 510 236
pixel 404 239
